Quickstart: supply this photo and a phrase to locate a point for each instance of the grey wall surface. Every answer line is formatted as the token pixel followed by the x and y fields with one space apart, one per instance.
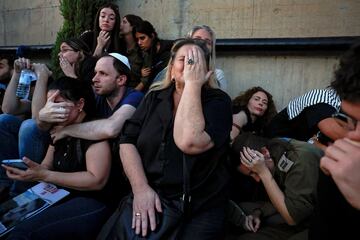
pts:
pixel 250 18
pixel 284 75
pixel 24 22
pixel 33 22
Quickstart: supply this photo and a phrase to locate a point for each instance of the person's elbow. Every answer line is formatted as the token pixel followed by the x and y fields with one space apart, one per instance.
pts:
pixel 98 183
pixel 6 108
pixel 288 218
pixel 111 131
pixel 290 221
pixel 191 147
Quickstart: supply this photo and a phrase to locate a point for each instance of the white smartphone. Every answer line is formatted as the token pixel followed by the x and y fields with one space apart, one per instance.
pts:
pixel 16 163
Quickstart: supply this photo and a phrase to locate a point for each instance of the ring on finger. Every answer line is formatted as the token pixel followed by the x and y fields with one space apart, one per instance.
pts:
pixel 190 61
pixel 137 214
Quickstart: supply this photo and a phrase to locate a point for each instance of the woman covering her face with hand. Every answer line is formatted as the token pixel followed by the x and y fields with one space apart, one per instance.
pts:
pixel 81 166
pixel 76 61
pixel 288 170
pixel 183 119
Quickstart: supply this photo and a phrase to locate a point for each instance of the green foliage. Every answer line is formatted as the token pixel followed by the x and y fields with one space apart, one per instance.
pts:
pixel 78 17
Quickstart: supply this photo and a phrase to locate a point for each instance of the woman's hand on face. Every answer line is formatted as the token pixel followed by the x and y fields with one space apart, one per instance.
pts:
pixel 103 38
pixel 252 159
pixel 35 171
pixel 67 68
pixel 55 112
pixel 195 70
pixel 145 205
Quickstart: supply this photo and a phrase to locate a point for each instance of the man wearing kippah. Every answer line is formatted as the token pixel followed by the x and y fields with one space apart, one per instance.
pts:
pixel 115 103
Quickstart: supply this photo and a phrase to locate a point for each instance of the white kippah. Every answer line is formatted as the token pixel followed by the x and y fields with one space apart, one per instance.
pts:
pixel 121 58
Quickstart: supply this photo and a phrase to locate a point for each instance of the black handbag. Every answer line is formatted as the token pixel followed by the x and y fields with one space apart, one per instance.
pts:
pixel 169 222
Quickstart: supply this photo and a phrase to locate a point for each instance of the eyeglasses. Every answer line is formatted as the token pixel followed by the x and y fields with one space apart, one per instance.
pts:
pixel 67 50
pixel 349 121
pixel 207 41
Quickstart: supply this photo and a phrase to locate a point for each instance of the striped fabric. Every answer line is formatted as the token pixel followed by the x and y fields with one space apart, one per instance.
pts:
pixel 315 96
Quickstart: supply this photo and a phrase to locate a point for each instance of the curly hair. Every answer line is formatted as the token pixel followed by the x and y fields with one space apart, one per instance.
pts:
pixel 243 99
pixel 347 76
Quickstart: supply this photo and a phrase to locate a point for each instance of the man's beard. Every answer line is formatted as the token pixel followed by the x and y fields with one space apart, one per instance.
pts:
pixel 5 78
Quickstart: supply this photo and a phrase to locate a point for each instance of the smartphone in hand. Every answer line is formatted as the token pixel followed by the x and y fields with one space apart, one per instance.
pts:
pixel 16 163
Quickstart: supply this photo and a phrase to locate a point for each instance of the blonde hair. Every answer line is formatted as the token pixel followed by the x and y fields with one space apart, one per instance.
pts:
pixel 167 81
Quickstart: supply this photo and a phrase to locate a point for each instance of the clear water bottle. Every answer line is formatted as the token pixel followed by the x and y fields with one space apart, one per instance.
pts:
pixel 23 89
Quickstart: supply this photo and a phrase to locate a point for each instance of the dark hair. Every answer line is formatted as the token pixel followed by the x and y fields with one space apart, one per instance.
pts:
pixel 114 35
pixel 10 59
pixel 148 29
pixel 133 19
pixel 347 76
pixel 276 146
pixel 78 45
pixel 243 99
pixel 72 89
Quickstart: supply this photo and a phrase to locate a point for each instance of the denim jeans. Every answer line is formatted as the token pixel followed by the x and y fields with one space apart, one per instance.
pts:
pixel 205 225
pixel 77 218
pixel 20 138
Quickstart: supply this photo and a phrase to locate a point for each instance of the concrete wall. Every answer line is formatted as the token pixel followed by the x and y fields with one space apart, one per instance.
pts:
pixel 24 22
pixel 284 75
pixel 250 18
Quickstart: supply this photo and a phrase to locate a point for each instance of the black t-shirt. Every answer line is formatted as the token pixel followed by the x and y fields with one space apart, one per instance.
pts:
pixel 153 122
pixel 70 156
pixel 302 127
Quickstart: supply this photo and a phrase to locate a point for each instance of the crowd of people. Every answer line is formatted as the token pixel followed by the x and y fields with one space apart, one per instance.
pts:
pixel 141 132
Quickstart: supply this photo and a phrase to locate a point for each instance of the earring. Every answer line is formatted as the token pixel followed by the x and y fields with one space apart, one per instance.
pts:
pixel 80 110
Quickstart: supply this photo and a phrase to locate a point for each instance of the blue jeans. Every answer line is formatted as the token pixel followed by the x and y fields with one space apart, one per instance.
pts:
pixel 77 218
pixel 205 225
pixel 20 138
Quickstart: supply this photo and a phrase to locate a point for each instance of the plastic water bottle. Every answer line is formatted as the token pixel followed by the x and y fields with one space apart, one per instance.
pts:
pixel 23 89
